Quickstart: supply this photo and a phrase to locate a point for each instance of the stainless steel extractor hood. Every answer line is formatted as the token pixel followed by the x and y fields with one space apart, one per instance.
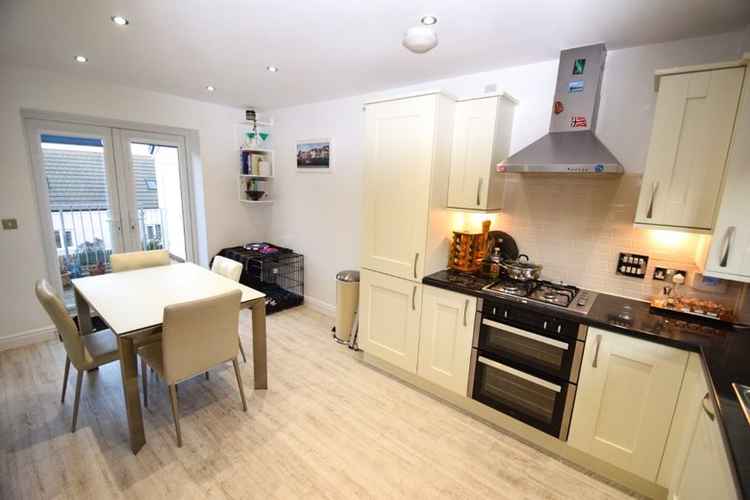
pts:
pixel 571 146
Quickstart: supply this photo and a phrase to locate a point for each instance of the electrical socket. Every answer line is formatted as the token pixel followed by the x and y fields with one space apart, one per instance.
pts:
pixel 666 274
pixel 10 224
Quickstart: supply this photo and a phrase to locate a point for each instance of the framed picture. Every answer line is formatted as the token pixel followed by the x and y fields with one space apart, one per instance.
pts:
pixel 314 155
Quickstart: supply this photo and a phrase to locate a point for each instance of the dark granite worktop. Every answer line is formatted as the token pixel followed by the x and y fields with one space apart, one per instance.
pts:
pixel 725 352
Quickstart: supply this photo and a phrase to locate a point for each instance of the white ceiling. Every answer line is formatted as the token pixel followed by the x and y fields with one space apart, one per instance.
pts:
pixel 327 48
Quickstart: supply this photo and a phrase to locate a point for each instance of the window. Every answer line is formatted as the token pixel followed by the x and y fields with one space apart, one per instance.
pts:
pixel 68 239
pixel 58 242
pixel 157 229
pixel 150 232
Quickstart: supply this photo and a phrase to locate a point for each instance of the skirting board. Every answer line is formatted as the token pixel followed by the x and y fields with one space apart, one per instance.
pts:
pixel 28 337
pixel 320 306
pixel 522 432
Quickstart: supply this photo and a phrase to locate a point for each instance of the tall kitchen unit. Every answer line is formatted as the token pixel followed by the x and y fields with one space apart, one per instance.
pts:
pixel 406 224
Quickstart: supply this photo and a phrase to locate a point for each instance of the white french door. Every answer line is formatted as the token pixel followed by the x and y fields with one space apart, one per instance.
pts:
pixel 104 190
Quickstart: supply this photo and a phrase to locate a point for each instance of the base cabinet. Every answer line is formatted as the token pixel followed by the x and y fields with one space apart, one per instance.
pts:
pixel 627 392
pixel 389 311
pixel 445 338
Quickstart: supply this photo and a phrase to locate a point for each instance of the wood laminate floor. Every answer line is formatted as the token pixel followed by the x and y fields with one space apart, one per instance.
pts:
pixel 329 426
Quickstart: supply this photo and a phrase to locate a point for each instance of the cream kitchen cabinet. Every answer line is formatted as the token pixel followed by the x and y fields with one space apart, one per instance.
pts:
pixel 626 397
pixel 407 148
pixel 696 464
pixel 729 249
pixel 481 139
pixel 389 312
pixel 690 137
pixel 445 338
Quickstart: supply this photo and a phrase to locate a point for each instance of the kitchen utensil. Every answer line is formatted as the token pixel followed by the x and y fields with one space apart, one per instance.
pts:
pixel 521 269
pixel 255 195
pixel 508 247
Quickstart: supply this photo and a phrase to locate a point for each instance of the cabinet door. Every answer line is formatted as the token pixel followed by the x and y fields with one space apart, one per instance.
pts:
pixel 446 331
pixel 398 159
pixel 626 396
pixel 705 472
pixel 389 310
pixel 729 253
pixel 690 138
pixel 471 156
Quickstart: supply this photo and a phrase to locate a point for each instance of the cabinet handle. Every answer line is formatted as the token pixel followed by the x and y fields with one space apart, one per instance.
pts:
pixel 654 189
pixel 726 246
pixel 479 191
pixel 466 306
pixel 416 258
pixel 595 363
pixel 413 294
pixel 704 402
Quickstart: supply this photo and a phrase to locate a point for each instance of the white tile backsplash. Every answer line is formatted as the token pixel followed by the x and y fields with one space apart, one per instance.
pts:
pixel 577 226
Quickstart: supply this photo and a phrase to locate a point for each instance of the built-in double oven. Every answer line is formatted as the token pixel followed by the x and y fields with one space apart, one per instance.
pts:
pixel 525 363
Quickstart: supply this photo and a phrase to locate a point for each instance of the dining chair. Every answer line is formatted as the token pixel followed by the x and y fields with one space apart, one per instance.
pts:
pixel 137 260
pixel 233 270
pixel 84 352
pixel 196 336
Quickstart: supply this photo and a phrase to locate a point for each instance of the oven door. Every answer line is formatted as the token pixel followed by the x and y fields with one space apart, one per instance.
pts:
pixel 537 402
pixel 538 354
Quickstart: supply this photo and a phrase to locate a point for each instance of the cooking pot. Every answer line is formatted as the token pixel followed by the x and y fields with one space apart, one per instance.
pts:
pixel 521 269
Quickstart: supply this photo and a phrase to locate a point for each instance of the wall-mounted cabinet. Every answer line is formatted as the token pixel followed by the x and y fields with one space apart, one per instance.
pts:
pixel 256 176
pixel 690 138
pixel 728 253
pixel 481 139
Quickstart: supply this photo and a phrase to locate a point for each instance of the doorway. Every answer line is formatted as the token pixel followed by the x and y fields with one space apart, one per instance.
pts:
pixel 105 190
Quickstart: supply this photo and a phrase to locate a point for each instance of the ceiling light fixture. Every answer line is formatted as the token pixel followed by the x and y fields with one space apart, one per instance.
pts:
pixel 120 21
pixel 419 39
pixel 428 20
pixel 81 59
pixel 210 88
pixel 272 69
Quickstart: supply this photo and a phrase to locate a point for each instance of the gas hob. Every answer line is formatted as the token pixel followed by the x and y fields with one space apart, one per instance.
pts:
pixel 548 293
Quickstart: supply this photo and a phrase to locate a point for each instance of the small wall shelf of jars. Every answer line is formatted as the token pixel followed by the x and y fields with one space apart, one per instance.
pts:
pixel 256 162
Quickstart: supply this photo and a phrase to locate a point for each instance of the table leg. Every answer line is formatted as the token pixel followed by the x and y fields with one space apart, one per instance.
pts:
pixel 84 314
pixel 260 371
pixel 129 371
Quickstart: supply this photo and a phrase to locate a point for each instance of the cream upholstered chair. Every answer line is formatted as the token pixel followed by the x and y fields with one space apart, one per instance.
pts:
pixel 196 336
pixel 233 270
pixel 138 260
pixel 84 352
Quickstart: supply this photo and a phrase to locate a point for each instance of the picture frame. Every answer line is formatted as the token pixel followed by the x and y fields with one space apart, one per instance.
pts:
pixel 315 155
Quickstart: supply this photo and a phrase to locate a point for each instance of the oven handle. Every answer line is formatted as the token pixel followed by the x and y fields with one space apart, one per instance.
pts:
pixel 519 374
pixel 524 333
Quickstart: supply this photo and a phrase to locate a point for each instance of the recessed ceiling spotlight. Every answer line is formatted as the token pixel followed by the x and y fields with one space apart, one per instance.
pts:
pixel 81 59
pixel 210 88
pixel 120 21
pixel 272 69
pixel 428 20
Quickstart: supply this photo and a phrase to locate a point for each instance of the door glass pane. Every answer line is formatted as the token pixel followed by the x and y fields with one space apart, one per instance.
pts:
pixel 527 351
pixel 80 206
pixel 158 198
pixel 516 393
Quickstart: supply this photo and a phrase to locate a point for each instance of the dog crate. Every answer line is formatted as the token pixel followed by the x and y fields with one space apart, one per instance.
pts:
pixel 276 271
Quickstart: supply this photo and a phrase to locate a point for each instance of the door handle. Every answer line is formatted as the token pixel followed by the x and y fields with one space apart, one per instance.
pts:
pixel 726 246
pixel 704 402
pixel 416 258
pixel 466 306
pixel 479 191
pixel 654 189
pixel 595 363
pixel 413 295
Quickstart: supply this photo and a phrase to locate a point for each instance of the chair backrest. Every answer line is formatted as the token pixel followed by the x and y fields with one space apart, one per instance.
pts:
pixel 200 334
pixel 138 260
pixel 227 267
pixel 65 325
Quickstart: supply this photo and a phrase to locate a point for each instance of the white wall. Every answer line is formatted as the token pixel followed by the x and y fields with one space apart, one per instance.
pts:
pixel 320 214
pixel 21 254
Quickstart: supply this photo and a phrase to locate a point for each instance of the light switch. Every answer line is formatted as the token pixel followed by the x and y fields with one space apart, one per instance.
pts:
pixel 9 224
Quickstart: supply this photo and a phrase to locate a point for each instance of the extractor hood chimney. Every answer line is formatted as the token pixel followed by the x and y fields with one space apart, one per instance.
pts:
pixel 571 146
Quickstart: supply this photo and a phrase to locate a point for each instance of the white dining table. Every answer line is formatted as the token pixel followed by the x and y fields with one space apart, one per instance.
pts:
pixel 132 304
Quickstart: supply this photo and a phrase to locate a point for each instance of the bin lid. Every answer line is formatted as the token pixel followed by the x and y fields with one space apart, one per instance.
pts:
pixel 350 276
